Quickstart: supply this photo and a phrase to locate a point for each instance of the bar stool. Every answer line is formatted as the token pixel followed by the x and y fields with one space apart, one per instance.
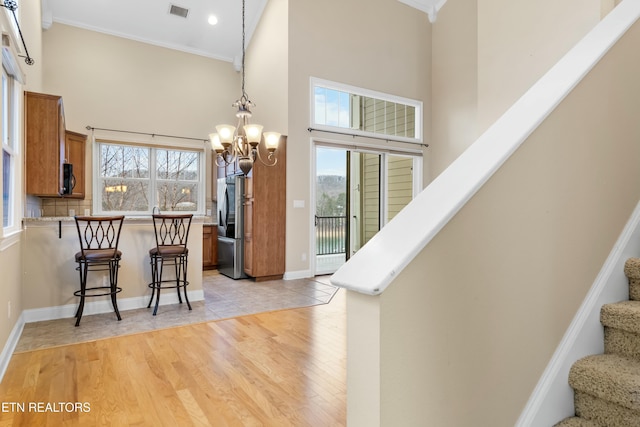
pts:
pixel 99 238
pixel 172 232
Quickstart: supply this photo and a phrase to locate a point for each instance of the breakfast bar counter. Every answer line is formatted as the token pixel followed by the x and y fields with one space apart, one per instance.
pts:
pixel 50 276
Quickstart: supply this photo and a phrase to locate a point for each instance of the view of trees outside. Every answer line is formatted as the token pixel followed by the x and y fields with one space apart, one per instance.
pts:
pixel 126 178
pixel 177 180
pixel 331 181
pixel 331 201
pixel 331 196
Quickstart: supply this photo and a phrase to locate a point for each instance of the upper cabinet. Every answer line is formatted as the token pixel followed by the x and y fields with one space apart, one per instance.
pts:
pixel 75 144
pixel 55 157
pixel 45 144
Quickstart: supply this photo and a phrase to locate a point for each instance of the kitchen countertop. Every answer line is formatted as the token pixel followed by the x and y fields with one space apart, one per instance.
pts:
pixel 205 220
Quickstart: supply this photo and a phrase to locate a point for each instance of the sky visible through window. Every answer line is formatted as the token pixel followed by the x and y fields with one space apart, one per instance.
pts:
pixel 331 162
pixel 332 107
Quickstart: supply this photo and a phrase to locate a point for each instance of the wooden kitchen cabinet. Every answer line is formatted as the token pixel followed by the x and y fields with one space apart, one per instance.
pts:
pixel 209 247
pixel 264 216
pixel 75 148
pixel 45 143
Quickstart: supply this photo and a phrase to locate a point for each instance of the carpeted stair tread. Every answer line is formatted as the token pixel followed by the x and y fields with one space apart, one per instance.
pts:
pixel 632 268
pixel 576 422
pixel 621 342
pixel 604 412
pixel 609 377
pixel 632 271
pixel 623 315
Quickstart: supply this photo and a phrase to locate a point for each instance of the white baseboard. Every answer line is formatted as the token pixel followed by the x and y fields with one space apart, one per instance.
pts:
pixel 552 398
pixel 300 274
pixel 10 345
pixel 103 306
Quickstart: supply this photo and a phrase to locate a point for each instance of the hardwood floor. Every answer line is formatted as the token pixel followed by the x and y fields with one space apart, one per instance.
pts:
pixel 283 368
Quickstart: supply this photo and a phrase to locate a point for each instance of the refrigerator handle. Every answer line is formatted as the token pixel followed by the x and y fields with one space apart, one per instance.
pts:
pixel 226 205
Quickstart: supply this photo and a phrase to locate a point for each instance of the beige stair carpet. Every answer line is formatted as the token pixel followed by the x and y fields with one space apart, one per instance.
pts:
pixel 607 386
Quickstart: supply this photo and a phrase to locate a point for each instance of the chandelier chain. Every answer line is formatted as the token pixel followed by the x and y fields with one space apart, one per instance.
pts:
pixel 241 144
pixel 244 94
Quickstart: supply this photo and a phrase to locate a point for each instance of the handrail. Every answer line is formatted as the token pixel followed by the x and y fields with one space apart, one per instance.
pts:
pixel 375 265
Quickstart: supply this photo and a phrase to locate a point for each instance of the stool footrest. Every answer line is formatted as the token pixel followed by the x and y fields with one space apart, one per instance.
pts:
pixel 161 285
pixel 88 292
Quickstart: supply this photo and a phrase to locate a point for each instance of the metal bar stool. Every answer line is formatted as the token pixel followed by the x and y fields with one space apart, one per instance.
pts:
pixel 99 238
pixel 172 232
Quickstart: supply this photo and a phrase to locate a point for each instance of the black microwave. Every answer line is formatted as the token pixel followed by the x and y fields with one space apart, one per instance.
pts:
pixel 68 180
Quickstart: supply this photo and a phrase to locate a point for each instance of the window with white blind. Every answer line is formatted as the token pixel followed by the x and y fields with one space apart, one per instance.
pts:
pixel 134 179
pixel 364 112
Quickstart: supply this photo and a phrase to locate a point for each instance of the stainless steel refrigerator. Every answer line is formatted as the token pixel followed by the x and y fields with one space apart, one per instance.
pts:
pixel 231 226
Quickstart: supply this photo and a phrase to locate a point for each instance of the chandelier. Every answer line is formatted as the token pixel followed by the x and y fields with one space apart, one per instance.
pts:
pixel 242 142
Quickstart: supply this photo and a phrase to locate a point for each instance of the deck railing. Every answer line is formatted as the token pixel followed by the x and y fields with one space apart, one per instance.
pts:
pixel 331 234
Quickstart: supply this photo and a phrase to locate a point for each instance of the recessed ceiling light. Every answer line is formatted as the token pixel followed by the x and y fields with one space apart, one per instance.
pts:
pixel 212 20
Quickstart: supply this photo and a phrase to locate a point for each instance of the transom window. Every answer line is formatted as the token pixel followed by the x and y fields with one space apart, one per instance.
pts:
pixel 133 179
pixel 363 112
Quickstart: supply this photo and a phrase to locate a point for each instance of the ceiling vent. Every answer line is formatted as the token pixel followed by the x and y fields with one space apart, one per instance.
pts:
pixel 178 11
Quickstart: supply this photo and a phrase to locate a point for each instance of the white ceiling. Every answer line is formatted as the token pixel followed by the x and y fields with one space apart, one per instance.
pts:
pixel 149 21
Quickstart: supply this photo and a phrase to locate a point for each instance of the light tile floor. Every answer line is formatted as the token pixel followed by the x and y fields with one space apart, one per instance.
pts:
pixel 223 298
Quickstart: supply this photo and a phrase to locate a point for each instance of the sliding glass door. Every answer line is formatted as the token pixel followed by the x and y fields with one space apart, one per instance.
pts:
pixel 356 193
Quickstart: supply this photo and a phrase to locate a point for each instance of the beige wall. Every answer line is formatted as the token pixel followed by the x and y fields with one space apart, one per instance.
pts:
pixel 267 70
pixel 330 40
pixel 31 26
pixel 476 339
pixel 518 41
pixel 116 83
pixel 487 53
pixel 10 268
pixel 454 83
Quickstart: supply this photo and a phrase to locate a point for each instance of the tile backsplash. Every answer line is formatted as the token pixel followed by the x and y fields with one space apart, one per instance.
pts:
pixel 33 208
pixel 56 206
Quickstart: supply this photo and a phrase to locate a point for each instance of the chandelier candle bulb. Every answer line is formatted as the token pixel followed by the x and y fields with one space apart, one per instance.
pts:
pixel 271 140
pixel 253 133
pixel 225 132
pixel 216 145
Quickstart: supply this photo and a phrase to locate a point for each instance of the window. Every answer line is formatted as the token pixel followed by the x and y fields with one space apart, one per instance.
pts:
pixel 133 179
pixel 364 112
pixel 9 154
